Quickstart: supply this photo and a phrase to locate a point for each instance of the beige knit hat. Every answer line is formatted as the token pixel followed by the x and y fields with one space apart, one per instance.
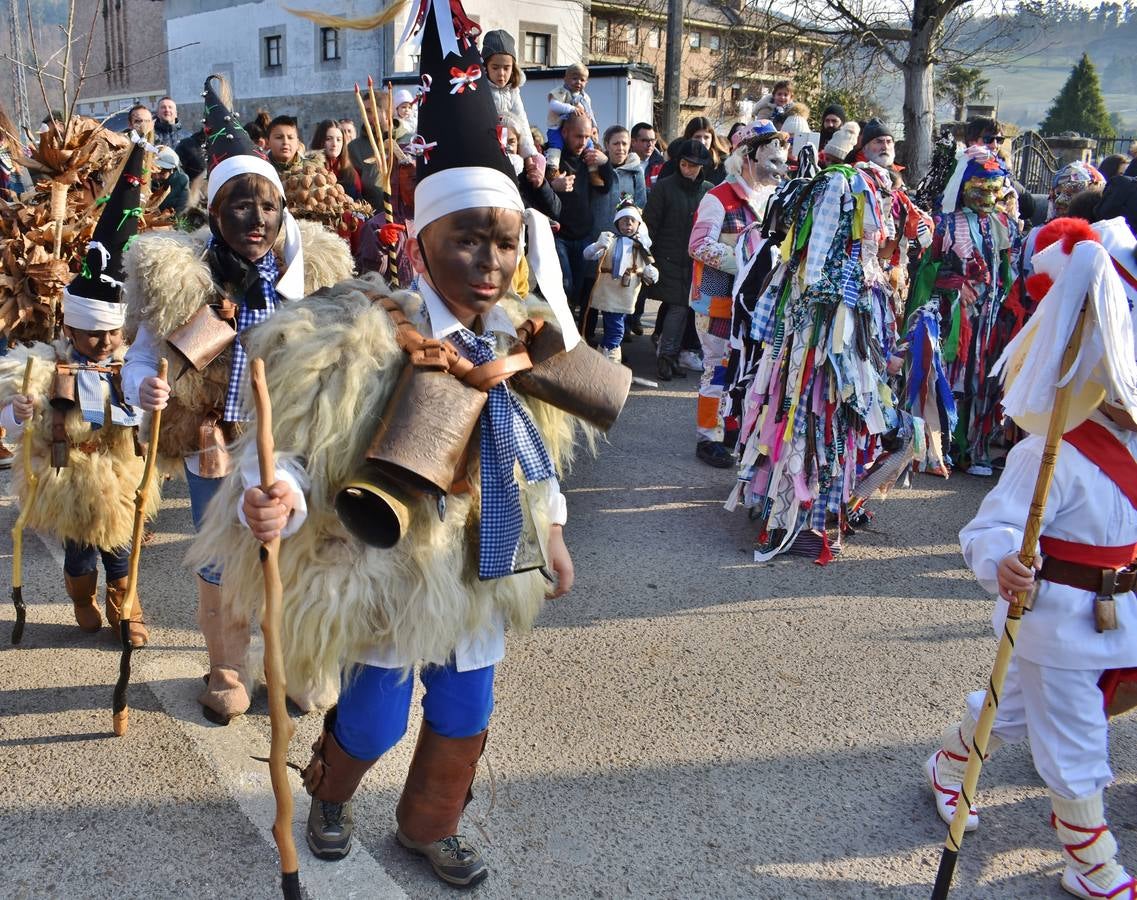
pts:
pixel 843 141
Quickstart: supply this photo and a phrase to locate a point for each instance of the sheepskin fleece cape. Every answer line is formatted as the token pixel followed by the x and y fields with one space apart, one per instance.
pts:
pixel 91 501
pixel 332 363
pixel 168 280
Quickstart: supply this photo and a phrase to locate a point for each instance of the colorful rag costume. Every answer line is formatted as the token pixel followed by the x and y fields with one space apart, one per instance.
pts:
pixel 820 390
pixel 963 283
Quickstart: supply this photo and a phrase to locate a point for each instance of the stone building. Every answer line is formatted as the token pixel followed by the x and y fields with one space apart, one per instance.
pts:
pixel 127 64
pixel 732 52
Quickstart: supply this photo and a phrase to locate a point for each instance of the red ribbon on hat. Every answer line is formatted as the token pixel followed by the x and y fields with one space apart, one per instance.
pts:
pixel 461 80
pixel 425 83
pixel 389 233
pixel 419 147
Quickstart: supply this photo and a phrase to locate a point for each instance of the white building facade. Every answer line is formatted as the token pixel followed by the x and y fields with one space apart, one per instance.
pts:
pixel 289 65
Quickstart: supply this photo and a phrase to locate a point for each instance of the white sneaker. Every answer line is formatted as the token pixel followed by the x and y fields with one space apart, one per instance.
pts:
pixel 980 470
pixel 691 361
pixel 947 795
pixel 1123 886
pixel 615 354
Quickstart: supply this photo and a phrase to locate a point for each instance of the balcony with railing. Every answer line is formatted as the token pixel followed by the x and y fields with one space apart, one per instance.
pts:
pixel 602 47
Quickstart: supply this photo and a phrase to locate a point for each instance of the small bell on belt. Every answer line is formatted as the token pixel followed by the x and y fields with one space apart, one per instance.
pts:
pixel 1105 608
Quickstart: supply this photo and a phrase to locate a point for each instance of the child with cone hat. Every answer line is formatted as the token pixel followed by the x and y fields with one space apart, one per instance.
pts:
pixel 364 609
pixel 83 445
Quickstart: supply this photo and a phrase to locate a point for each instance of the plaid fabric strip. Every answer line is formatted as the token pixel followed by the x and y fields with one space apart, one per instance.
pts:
pixel 247 317
pixel 508 437
pixel 92 398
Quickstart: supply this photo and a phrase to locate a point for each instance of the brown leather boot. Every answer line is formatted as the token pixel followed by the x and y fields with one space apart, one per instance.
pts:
pixel 436 792
pixel 116 593
pixel 83 591
pixel 227 640
pixel 331 777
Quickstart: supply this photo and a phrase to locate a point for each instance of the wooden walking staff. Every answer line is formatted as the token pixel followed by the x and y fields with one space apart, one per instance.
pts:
pixel 31 482
pixel 282 727
pixel 121 712
pixel 389 245
pixel 978 749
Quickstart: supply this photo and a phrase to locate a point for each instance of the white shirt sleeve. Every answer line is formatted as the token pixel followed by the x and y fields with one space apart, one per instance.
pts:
pixel 558 506
pixel 290 471
pixel 9 424
pixel 997 528
pixel 141 362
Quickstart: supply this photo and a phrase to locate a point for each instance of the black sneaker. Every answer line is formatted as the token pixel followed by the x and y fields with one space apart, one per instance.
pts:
pixel 714 454
pixel 453 859
pixel 664 368
pixel 329 829
pixel 635 326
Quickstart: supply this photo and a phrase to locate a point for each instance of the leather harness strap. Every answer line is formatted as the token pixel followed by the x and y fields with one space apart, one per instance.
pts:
pixel 443 356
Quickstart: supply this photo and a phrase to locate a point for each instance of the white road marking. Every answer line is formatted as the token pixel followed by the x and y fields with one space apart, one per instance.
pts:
pixel 174 679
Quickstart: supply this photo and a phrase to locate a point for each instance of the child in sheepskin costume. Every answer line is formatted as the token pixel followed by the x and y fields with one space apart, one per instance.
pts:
pixel 365 612
pixel 218 281
pixel 83 444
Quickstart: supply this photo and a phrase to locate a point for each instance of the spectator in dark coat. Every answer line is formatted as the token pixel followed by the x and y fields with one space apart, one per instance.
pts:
pixel 573 185
pixel 669 216
pixel 167 174
pixel 191 154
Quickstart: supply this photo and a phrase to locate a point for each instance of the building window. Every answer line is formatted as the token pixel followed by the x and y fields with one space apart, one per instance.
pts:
pixel 692 87
pixel 631 35
pixel 654 37
pixel 537 48
pixel 600 30
pixel 712 89
pixel 272 51
pixel 735 92
pixel 329 44
pixel 695 39
pixel 714 41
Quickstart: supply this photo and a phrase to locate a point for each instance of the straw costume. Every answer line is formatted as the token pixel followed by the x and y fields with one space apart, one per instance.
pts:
pixel 1072 657
pixel 83 438
pixel 188 296
pixel 363 606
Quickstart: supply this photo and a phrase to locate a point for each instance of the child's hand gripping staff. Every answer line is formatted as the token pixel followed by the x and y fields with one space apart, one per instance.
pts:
pixel 121 712
pixel 282 727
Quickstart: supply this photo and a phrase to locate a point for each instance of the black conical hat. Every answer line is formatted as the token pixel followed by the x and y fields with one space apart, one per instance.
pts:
pixel 225 136
pixel 100 278
pixel 457 122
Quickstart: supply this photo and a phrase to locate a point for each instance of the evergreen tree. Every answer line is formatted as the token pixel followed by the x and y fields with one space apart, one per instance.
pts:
pixel 1079 106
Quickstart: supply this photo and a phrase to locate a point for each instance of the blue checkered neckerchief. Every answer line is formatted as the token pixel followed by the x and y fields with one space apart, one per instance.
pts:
pixel 247 317
pixel 508 437
pixel 92 400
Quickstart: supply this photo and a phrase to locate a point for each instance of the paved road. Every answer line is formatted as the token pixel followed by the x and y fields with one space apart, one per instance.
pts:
pixel 686 724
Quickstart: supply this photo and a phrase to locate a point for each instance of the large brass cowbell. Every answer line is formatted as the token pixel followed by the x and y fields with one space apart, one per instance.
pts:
pixel 417 449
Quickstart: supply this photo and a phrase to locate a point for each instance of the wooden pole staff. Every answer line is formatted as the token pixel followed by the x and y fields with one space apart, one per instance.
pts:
pixel 1054 431
pixel 282 727
pixel 384 169
pixel 58 214
pixel 121 712
pixel 31 487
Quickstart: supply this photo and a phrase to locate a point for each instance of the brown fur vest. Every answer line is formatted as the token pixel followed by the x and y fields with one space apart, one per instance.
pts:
pixel 168 280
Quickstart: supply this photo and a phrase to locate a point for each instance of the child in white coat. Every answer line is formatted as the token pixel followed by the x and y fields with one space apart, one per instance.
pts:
pixel 625 265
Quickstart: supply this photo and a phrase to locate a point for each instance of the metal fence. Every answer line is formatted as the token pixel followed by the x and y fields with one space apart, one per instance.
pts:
pixel 1032 162
pixel 1108 146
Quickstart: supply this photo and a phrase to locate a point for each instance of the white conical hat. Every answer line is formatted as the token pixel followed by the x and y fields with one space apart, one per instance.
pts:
pixel 1105 368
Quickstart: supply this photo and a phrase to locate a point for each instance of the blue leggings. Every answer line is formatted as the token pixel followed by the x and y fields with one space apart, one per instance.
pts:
pixel 201 491
pixel 375 704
